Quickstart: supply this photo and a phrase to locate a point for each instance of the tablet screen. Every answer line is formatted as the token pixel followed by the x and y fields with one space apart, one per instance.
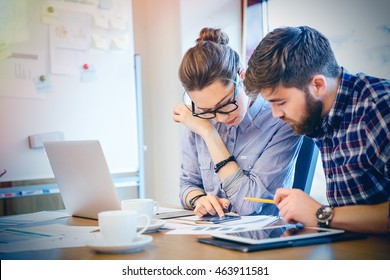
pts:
pixel 275 234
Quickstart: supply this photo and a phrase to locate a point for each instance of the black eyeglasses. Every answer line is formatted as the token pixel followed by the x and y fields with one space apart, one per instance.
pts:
pixel 224 109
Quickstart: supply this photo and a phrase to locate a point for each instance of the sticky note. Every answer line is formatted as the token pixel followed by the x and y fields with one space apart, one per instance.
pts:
pixel 100 20
pixel 88 73
pixel 42 83
pixel 49 14
pixel 4 51
pixel 101 42
pixel 118 23
pixel 120 42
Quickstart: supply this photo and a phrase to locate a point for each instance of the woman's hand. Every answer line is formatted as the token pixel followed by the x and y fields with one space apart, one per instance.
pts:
pixel 181 114
pixel 211 205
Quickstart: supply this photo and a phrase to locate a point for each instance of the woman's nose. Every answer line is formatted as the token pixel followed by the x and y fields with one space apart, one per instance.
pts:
pixel 221 117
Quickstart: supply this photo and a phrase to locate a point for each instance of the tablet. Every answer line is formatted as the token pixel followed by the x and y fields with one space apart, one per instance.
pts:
pixel 277 234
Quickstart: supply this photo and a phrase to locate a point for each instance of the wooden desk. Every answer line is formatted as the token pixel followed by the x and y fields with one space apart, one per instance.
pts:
pixel 186 247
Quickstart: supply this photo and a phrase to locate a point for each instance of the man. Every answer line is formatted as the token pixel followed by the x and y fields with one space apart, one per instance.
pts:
pixel 348 116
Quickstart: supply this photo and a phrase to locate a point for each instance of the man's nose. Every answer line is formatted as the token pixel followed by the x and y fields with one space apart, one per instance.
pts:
pixel 277 113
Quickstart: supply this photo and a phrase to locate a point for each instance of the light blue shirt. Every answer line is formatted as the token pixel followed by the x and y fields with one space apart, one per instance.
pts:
pixel 265 148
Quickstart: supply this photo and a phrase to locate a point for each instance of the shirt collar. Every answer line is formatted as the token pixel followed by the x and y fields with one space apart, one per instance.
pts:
pixel 336 114
pixel 254 109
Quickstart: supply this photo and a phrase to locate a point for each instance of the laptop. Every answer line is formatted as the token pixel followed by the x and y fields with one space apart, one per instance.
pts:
pixel 83 177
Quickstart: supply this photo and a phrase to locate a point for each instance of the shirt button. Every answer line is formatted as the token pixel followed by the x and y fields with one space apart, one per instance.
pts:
pixel 330 175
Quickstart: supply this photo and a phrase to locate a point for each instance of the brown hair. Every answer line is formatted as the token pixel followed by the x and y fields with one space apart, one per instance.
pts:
pixel 211 59
pixel 290 57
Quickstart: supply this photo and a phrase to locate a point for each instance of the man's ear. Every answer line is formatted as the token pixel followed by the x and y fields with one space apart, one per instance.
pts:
pixel 320 84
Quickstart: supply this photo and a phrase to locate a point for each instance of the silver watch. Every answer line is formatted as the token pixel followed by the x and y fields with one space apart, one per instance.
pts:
pixel 324 215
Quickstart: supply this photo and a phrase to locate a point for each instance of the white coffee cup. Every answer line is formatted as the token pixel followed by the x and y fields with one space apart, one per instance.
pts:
pixel 144 206
pixel 120 227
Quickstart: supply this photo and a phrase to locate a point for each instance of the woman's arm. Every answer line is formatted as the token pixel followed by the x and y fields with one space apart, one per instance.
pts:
pixel 191 175
pixel 271 169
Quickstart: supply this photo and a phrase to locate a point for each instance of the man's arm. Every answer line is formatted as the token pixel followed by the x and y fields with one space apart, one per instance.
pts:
pixel 296 206
pixel 362 218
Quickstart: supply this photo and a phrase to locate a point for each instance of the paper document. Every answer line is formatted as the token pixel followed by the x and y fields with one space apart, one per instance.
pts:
pixel 245 223
pixel 15 220
pixel 45 237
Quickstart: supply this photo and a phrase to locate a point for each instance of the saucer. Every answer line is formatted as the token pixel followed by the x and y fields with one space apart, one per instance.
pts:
pixel 155 224
pixel 139 243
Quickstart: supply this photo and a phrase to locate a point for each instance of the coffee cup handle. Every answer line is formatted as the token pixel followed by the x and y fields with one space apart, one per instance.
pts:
pixel 143 229
pixel 156 208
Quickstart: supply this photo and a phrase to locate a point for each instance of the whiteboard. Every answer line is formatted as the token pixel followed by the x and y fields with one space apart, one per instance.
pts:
pixel 45 87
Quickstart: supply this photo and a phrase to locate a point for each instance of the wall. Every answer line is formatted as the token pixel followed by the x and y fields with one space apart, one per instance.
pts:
pixel 103 108
pixel 163 31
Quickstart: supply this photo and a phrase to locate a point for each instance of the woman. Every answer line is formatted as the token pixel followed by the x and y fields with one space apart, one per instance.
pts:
pixel 233 147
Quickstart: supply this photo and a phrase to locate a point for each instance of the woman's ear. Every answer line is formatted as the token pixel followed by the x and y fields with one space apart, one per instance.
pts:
pixel 241 72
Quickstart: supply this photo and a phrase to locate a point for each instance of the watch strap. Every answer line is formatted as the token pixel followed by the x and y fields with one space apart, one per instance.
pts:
pixel 323 224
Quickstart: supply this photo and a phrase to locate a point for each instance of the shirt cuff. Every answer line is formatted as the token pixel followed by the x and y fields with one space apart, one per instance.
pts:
pixel 186 192
pixel 232 183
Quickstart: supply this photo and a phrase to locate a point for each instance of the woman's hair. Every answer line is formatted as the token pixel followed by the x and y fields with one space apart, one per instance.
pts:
pixel 211 59
pixel 290 57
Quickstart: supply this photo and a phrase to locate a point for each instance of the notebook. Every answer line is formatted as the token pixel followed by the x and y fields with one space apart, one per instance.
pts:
pixel 83 177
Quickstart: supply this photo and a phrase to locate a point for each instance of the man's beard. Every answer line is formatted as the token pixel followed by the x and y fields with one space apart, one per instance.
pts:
pixel 311 123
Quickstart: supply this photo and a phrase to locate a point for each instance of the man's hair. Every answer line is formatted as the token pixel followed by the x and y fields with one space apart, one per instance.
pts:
pixel 289 57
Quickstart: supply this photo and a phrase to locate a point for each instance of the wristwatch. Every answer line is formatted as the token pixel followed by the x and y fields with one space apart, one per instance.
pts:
pixel 324 215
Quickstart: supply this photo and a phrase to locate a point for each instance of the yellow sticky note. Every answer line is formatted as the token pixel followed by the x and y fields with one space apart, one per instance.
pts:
pixel 4 51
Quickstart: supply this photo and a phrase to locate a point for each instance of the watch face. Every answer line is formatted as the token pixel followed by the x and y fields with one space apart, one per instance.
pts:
pixel 324 214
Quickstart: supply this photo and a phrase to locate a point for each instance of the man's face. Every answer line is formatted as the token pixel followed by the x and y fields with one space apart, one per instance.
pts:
pixel 297 107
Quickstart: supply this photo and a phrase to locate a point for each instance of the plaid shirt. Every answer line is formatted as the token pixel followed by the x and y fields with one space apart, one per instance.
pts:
pixel 355 144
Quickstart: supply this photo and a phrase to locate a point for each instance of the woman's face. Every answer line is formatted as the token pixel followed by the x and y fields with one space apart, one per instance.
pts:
pixel 216 95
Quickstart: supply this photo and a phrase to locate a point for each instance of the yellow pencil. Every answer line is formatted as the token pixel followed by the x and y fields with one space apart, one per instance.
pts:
pixel 260 200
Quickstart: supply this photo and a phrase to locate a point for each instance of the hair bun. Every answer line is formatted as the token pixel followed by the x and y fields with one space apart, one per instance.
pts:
pixel 213 35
